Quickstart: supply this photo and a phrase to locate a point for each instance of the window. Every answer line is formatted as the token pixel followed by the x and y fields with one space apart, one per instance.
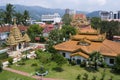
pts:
pixel 63 54
pixel 111 61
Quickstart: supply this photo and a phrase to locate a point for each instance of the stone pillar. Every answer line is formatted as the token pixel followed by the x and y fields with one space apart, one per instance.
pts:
pixel 17 47
pixel 22 45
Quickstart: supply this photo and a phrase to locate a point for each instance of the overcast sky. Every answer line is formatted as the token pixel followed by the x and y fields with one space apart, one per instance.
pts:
pixel 83 5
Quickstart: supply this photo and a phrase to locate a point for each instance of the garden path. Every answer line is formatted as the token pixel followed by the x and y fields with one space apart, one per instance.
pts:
pixel 27 74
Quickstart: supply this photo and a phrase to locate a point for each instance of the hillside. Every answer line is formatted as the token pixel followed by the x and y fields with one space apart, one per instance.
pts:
pixel 37 11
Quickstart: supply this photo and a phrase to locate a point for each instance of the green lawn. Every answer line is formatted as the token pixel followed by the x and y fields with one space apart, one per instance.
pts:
pixel 6 75
pixel 69 72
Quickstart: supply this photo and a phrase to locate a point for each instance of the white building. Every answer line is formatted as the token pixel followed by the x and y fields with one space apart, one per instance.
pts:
pixel 55 18
pixel 109 16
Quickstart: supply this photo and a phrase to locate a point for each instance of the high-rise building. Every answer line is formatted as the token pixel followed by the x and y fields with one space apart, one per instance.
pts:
pixel 108 16
pixel 70 11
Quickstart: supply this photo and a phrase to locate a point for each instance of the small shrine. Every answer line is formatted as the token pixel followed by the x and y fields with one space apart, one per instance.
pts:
pixel 16 40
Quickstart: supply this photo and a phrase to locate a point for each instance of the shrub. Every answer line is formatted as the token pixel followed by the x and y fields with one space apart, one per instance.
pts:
pixel 3 56
pixel 73 62
pixel 10 60
pixel 85 76
pixel 94 78
pixel 103 64
pixel 34 64
pixel 117 64
pixel 42 39
pixel 59 59
pixel 78 77
pixel 1 66
pixel 83 64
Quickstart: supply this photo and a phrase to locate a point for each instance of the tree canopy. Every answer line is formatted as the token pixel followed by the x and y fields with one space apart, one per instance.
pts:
pixel 96 58
pixel 33 31
pixel 7 15
pixel 66 19
pixel 117 64
pixel 111 28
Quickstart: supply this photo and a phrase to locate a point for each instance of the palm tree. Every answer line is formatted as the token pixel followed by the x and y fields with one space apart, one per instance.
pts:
pixel 9 13
pixel 2 15
pixel 26 16
pixel 19 17
pixel 96 58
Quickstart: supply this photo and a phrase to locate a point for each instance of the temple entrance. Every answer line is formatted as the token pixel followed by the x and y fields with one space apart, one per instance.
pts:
pixel 19 45
pixel 78 61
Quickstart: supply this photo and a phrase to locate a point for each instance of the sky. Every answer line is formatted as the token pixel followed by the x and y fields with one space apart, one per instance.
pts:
pixel 82 5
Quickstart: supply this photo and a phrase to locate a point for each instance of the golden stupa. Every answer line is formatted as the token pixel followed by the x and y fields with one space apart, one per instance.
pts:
pixel 16 39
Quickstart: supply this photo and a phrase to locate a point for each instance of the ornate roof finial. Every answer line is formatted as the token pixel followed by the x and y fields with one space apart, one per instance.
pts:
pixel 14 21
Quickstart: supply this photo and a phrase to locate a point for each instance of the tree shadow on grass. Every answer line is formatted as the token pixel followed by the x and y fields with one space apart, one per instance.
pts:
pixel 113 71
pixel 58 69
pixel 90 69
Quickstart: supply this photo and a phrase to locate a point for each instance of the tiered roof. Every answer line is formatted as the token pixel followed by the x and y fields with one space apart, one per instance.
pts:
pixel 16 37
pixel 79 20
pixel 87 41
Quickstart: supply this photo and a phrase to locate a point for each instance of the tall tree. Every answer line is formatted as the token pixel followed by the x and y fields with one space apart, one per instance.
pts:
pixel 2 15
pixel 26 16
pixel 19 17
pixel 117 64
pixel 68 31
pixel 95 22
pixel 9 13
pixel 96 58
pixel 33 31
pixel 66 19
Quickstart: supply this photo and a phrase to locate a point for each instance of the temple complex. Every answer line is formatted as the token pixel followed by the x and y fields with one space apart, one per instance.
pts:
pixel 85 42
pixel 16 39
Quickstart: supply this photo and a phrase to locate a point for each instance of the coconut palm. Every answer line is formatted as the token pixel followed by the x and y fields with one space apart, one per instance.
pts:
pixel 9 13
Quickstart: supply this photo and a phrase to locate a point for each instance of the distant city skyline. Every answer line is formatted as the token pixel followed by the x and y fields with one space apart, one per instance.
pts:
pixel 82 5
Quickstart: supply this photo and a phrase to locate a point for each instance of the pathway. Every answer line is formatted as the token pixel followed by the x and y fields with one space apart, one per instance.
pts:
pixel 27 74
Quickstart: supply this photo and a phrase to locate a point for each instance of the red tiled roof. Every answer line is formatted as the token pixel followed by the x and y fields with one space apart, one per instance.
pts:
pixel 82 16
pixel 7 28
pixel 48 28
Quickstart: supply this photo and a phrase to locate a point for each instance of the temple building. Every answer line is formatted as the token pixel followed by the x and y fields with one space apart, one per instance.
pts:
pixel 85 42
pixel 79 20
pixel 16 39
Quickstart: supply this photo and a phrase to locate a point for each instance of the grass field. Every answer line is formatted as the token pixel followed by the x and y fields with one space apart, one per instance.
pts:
pixel 6 75
pixel 69 72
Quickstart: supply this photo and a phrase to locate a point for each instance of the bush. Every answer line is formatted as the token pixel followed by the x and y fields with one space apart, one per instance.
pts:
pixel 42 39
pixel 94 78
pixel 85 76
pixel 34 64
pixel 83 64
pixel 3 56
pixel 103 64
pixel 59 59
pixel 10 60
pixel 78 77
pixel 1 66
pixel 73 62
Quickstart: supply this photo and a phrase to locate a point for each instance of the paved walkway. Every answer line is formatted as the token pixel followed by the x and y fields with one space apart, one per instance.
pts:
pixel 27 74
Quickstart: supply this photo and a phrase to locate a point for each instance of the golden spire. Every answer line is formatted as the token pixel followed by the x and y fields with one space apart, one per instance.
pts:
pixel 26 38
pixel 11 40
pixel 15 32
